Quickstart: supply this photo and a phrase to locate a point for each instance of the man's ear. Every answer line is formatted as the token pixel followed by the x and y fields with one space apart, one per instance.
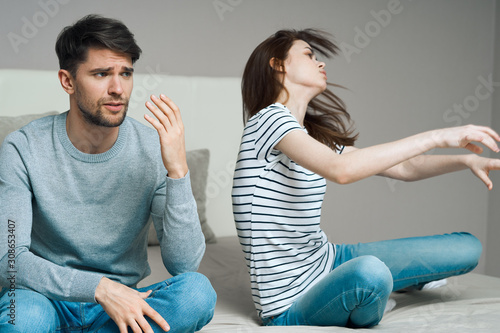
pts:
pixel 67 81
pixel 277 65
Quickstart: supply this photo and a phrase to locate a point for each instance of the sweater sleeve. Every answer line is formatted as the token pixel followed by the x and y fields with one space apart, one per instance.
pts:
pixel 21 268
pixel 179 231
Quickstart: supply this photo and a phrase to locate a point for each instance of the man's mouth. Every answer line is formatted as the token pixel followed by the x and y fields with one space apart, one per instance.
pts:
pixel 114 106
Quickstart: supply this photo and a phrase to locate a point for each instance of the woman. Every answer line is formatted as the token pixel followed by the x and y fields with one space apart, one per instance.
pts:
pixel 298 134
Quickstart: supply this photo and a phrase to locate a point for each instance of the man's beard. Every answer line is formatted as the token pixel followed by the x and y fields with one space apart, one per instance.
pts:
pixel 97 118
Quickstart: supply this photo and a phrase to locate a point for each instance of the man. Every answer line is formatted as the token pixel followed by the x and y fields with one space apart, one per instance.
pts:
pixel 76 192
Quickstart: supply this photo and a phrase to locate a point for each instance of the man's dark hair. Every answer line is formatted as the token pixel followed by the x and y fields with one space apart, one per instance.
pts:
pixel 93 31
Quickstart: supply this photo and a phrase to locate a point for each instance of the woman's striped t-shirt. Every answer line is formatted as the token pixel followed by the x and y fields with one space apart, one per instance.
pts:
pixel 277 208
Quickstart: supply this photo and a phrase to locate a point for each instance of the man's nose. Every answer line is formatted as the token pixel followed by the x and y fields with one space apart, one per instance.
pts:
pixel 115 86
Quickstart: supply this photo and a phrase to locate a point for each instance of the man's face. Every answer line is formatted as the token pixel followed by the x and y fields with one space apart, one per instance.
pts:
pixel 103 86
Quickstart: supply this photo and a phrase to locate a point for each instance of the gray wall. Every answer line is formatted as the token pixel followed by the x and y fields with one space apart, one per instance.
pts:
pixel 409 66
pixel 493 245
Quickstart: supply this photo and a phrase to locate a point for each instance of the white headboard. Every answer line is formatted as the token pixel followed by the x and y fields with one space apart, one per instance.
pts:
pixel 211 110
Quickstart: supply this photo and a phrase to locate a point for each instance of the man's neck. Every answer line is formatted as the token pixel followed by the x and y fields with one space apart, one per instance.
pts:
pixel 89 138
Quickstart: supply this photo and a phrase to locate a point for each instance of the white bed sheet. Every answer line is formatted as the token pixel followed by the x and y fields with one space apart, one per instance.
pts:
pixel 469 303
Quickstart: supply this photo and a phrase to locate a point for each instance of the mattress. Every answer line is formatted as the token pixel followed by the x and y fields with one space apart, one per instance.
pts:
pixel 468 303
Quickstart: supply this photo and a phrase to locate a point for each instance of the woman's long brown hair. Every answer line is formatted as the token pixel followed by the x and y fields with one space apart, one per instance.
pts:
pixel 326 118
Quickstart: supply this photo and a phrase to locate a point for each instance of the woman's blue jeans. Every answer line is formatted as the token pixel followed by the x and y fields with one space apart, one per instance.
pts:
pixel 186 302
pixel 355 292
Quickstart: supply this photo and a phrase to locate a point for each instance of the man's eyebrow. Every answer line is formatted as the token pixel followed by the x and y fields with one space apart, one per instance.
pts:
pixel 100 70
pixel 108 69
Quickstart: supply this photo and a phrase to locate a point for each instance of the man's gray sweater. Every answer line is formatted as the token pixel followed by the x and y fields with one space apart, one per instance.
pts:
pixel 68 218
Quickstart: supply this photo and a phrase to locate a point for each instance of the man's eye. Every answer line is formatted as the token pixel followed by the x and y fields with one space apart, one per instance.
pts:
pixel 102 74
pixel 127 74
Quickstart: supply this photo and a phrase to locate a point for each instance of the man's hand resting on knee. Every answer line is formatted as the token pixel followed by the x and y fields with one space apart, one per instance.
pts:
pixel 127 307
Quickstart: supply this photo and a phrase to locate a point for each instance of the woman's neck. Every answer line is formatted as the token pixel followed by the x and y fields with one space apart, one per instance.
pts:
pixel 297 106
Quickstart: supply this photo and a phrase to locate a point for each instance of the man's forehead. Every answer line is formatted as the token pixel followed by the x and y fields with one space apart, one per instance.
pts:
pixel 97 57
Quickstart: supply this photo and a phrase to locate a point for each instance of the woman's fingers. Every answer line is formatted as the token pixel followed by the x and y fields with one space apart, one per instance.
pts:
pixel 467 137
pixel 485 135
pixel 474 148
pixel 485 179
pixel 482 166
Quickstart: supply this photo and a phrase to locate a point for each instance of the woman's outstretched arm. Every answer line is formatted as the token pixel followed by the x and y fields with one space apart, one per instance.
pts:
pixel 427 166
pixel 396 159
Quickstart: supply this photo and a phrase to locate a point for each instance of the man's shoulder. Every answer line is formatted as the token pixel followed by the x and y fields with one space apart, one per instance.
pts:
pixel 44 121
pixel 34 128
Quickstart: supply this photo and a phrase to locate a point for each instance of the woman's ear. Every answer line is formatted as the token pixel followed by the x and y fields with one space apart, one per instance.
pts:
pixel 67 81
pixel 277 65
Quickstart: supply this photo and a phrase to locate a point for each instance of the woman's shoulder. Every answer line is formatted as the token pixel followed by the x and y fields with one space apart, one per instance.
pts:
pixel 275 108
pixel 275 111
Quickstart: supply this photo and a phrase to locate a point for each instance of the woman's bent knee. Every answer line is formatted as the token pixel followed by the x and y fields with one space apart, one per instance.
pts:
pixel 467 250
pixel 371 271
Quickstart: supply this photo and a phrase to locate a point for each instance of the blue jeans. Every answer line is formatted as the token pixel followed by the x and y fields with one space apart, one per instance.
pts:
pixel 186 302
pixel 356 290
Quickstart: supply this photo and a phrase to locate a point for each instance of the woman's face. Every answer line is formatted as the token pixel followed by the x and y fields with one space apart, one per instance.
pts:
pixel 303 70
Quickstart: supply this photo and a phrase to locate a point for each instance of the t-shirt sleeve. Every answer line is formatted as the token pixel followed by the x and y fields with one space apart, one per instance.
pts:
pixel 272 126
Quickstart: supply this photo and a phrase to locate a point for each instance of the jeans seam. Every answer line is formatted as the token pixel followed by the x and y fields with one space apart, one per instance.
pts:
pixel 154 292
pixel 447 273
pixel 70 328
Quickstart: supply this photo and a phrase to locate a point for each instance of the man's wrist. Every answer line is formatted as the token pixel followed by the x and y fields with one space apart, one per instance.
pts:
pixel 178 173
pixel 100 290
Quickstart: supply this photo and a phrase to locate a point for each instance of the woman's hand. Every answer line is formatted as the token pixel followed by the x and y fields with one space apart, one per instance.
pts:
pixel 170 128
pixel 482 166
pixel 464 136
